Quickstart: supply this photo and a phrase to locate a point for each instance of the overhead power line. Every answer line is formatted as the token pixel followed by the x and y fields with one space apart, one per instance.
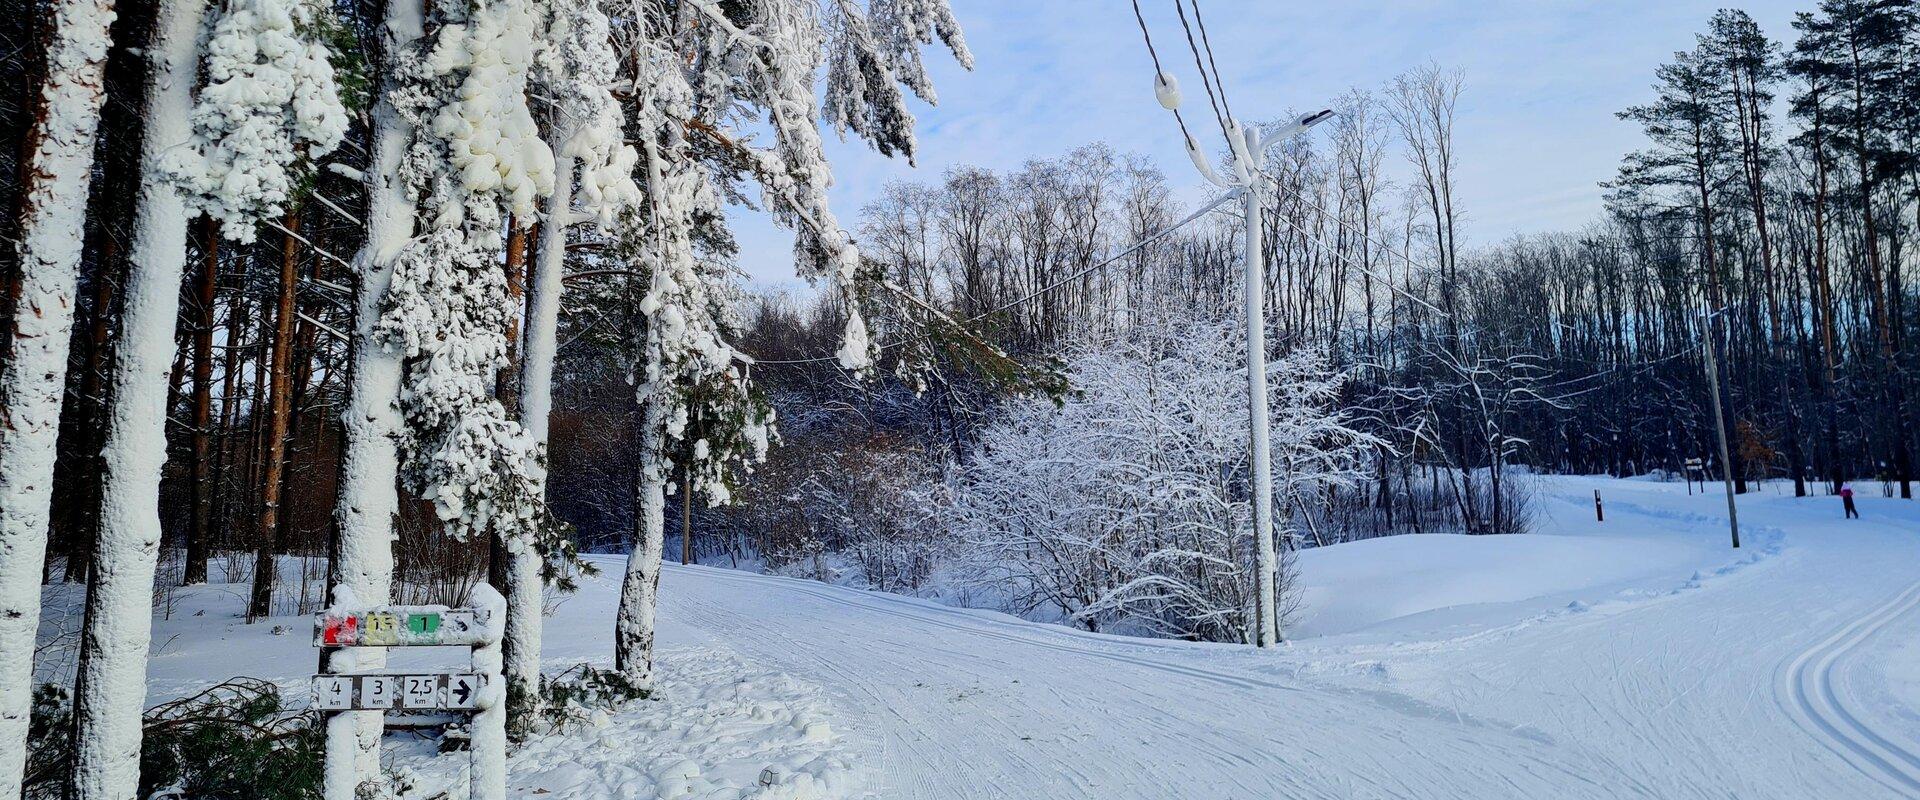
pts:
pixel 1157 69
pixel 1335 252
pixel 1207 44
pixel 1206 82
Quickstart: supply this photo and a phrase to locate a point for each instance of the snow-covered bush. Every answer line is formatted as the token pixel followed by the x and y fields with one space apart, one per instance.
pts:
pixel 270 104
pixel 874 504
pixel 1126 506
pixel 856 509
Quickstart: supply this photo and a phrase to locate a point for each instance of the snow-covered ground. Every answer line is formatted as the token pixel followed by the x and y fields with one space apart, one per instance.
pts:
pixel 1639 657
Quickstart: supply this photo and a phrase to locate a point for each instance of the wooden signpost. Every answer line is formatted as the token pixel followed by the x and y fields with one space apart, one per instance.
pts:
pixel 1695 467
pixel 479 691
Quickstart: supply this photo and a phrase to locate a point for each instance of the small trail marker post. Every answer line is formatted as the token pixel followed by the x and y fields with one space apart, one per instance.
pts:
pixel 1599 514
pixel 479 692
pixel 1695 468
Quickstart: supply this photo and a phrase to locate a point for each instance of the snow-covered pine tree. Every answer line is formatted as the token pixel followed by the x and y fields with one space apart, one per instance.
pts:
pixel 703 72
pixel 270 107
pixel 270 97
pixel 476 162
pixel 686 370
pixel 369 494
pixel 111 685
pixel 33 366
pixel 586 132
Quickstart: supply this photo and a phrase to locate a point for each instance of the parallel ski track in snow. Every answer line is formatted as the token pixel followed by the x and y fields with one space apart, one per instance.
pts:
pixel 931 616
pixel 1808 689
pixel 1529 766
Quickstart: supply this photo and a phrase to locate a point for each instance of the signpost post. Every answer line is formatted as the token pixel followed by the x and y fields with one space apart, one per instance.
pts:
pixel 479 691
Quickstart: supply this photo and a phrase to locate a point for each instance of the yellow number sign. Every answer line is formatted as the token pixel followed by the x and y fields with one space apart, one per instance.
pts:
pixel 381 629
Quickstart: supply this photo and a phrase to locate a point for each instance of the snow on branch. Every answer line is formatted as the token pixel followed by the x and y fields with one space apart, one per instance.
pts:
pixel 1126 505
pixel 269 109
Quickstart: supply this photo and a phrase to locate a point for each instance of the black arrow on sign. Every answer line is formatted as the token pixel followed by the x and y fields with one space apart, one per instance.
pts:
pixel 461 691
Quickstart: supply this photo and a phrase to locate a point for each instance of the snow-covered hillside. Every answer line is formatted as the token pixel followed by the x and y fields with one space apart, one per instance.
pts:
pixel 1639 657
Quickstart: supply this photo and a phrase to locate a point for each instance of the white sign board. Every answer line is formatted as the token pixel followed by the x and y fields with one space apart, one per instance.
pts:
pixel 400 626
pixel 429 691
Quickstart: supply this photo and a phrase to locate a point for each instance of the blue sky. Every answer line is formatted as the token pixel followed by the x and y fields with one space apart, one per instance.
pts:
pixel 1535 124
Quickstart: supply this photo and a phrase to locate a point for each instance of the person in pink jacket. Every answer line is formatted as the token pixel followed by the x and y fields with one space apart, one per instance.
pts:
pixel 1846 498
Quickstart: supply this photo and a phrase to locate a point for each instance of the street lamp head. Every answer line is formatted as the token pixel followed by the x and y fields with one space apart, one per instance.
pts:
pixel 1297 127
pixel 1317 117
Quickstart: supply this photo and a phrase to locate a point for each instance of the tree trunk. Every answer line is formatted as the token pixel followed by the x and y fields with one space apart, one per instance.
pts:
pixel 506 388
pixel 199 527
pixel 59 165
pixel 279 410
pixel 543 287
pixel 111 687
pixel 1716 289
pixel 640 589
pixel 83 523
pixel 506 382
pixel 369 469
pixel 257 424
pixel 225 452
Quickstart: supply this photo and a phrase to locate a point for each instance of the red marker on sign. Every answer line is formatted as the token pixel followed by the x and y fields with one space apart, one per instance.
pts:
pixel 341 630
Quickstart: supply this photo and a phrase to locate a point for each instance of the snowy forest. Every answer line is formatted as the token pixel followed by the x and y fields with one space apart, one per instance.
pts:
pixel 386 302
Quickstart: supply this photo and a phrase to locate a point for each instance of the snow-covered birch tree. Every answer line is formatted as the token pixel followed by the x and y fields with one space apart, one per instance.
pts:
pixel 59 167
pixel 135 441
pixel 1126 507
pixel 234 153
pixel 705 72
pixel 585 132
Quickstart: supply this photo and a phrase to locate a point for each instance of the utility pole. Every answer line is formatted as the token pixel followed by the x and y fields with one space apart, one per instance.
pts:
pixel 1719 421
pixel 1268 557
pixel 1247 147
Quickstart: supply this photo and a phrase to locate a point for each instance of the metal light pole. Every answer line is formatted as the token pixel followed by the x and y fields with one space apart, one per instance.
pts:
pixel 1719 421
pixel 1248 146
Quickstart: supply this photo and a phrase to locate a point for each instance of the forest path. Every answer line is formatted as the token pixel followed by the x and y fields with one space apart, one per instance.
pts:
pixel 1781 671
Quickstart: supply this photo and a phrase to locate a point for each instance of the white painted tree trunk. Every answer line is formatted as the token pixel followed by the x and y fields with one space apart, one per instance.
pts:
pixel 33 367
pixel 540 345
pixel 640 590
pixel 369 473
pixel 112 688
